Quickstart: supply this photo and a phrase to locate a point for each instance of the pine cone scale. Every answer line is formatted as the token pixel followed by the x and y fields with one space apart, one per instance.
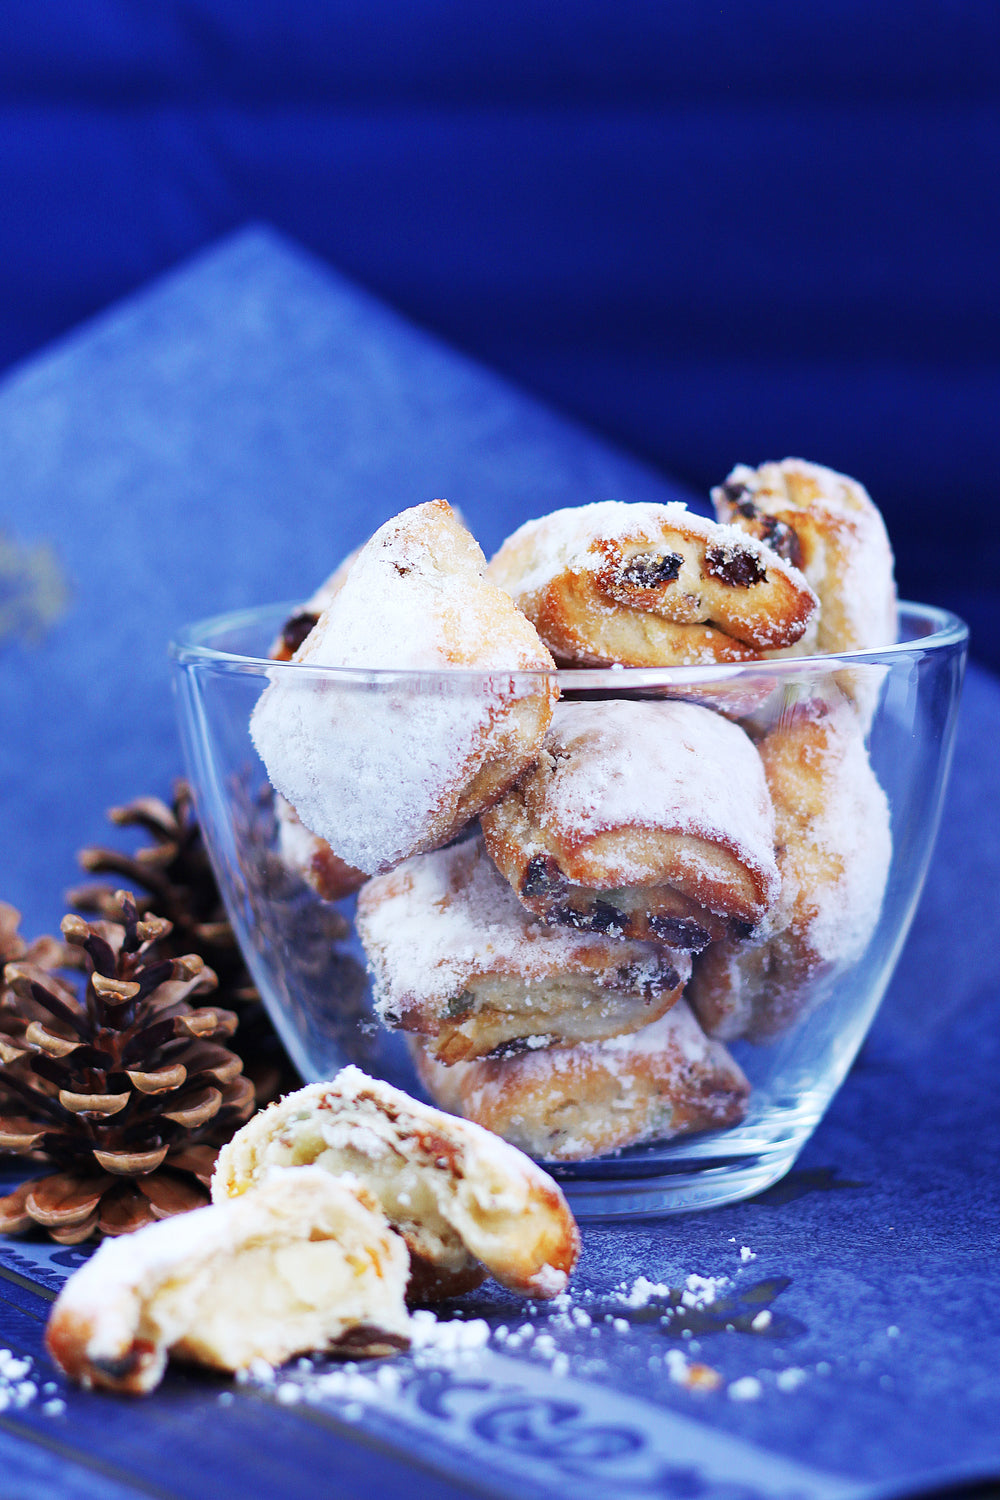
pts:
pixel 65 1199
pixel 198 1110
pixel 122 1163
pixel 160 1080
pixel 19 1135
pixel 124 1210
pixel 168 1194
pixel 101 1105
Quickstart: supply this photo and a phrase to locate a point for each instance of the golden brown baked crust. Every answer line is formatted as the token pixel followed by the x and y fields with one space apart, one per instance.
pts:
pixel 459 961
pixel 641 820
pixel 650 585
pixel 388 767
pixel 833 847
pixel 306 1262
pixel 457 1195
pixel 586 1101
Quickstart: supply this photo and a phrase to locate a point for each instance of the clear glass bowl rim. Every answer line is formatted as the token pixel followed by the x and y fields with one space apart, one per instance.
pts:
pixel 190 647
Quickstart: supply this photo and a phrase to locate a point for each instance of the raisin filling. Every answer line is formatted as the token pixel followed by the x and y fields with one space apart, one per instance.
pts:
pixel 734 568
pixel 649 570
pixel 296 629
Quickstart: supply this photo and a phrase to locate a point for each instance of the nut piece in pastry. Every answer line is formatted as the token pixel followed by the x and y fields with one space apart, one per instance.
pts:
pixel 834 847
pixel 461 1198
pixel 383 767
pixel 826 525
pixel 571 1105
pixel 641 820
pixel 650 585
pixel 457 959
pixel 305 1262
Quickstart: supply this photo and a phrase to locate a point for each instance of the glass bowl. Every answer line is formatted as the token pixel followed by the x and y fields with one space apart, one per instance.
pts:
pixel 310 969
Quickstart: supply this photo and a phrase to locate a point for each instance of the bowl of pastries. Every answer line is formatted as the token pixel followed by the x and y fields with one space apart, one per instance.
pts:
pixel 608 844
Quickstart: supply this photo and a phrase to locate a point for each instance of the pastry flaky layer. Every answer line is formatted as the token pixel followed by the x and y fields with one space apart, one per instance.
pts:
pixel 305 1263
pixel 459 961
pixel 650 585
pixel 464 1201
pixel 585 1101
pixel 380 768
pixel 644 820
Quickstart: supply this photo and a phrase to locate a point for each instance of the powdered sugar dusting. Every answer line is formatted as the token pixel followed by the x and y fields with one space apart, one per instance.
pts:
pixel 441 918
pixel 376 766
pixel 569 540
pixel 671 766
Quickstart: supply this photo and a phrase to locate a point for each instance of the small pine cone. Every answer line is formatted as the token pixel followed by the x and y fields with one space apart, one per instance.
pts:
pixel 128 1093
pixel 176 874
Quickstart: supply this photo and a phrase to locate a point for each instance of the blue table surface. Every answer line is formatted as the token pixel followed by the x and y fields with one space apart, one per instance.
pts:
pixel 198 449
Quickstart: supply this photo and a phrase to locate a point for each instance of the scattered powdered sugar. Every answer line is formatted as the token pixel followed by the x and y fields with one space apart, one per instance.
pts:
pixel 19 1386
pixel 455 1336
pixel 747 1388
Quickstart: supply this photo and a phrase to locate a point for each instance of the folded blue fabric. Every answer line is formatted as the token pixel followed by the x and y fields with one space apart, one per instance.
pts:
pixel 220 441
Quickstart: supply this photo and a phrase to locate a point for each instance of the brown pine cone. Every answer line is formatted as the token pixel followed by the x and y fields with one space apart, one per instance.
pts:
pixel 127 1092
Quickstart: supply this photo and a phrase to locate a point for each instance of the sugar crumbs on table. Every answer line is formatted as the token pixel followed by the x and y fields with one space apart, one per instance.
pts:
pixel 692 1375
pixel 747 1254
pixel 19 1388
pixel 747 1388
pixel 790 1379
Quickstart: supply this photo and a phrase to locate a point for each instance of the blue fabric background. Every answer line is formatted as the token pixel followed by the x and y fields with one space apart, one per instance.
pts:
pixel 716 232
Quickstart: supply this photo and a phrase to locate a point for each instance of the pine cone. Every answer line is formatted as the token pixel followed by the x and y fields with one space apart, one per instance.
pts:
pixel 127 1092
pixel 177 875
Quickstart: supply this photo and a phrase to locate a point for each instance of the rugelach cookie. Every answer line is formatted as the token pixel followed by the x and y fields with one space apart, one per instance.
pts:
pixel 650 586
pixel 826 525
pixel 383 768
pixel 586 1101
pixel 642 820
pixel 464 1201
pixel 459 961
pixel 306 1262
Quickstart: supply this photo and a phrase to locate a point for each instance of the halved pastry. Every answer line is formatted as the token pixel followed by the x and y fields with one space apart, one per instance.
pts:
pixel 650 585
pixel 306 1262
pixel 464 1201
pixel 458 960
pixel 834 847
pixel 641 820
pixel 431 718
pixel 664 1080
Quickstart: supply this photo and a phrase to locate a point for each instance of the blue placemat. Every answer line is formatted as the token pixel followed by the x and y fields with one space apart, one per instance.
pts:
pixel 219 441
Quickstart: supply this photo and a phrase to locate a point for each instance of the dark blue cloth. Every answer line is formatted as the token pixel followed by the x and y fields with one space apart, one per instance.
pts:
pixel 220 440
pixel 718 233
